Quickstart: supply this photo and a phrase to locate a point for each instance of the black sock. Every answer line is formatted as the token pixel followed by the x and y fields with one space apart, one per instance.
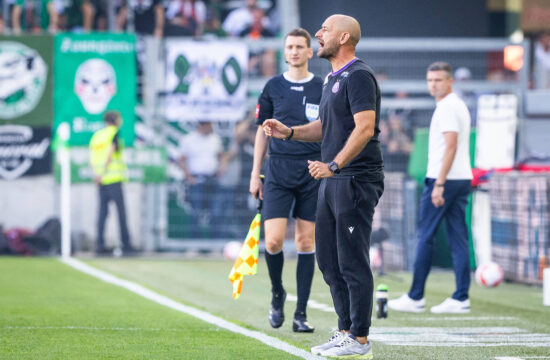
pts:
pixel 304 277
pixel 275 266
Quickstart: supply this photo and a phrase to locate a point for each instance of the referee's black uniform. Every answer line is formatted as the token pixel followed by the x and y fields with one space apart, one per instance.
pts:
pixel 287 176
pixel 347 200
pixel 287 179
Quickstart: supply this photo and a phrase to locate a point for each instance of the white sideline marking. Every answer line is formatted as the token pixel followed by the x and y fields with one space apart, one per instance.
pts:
pixel 458 337
pixel 199 314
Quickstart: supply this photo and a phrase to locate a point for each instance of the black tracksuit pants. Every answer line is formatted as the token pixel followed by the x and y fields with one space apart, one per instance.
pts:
pixel 345 210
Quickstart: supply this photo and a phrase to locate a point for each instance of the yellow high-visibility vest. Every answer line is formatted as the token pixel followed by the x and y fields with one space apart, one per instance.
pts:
pixel 100 144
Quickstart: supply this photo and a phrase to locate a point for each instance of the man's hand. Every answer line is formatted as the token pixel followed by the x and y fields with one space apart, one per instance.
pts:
pixel 437 196
pixel 97 179
pixel 319 170
pixel 276 129
pixel 256 187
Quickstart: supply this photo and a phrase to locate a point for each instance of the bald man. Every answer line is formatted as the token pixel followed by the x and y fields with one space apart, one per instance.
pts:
pixel 352 181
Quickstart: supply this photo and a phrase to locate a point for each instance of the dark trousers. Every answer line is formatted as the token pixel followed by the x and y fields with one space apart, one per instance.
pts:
pixel 107 193
pixel 206 206
pixel 454 212
pixel 342 239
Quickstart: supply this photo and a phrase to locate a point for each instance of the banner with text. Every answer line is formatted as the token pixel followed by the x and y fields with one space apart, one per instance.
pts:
pixel 25 80
pixel 24 151
pixel 94 73
pixel 145 165
pixel 205 81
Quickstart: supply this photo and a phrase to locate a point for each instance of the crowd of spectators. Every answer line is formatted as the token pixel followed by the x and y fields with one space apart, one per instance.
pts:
pixel 198 18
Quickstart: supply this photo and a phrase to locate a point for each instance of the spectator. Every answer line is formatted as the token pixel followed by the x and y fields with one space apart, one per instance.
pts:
pixel 213 25
pixel 256 29
pixel 185 18
pixel 34 15
pixel 241 18
pixel 398 140
pixel 200 153
pixel 398 144
pixel 99 18
pixel 79 15
pixel 148 17
pixel 542 61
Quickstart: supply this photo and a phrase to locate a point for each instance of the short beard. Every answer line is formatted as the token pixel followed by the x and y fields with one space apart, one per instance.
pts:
pixel 326 55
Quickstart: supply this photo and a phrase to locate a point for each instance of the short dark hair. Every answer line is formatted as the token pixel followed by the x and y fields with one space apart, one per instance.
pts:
pixel 111 117
pixel 442 66
pixel 300 32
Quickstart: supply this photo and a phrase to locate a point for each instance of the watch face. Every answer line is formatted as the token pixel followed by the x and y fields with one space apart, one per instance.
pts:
pixel 333 167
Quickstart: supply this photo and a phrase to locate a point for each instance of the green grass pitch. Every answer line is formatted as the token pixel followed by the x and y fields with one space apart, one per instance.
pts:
pixel 51 311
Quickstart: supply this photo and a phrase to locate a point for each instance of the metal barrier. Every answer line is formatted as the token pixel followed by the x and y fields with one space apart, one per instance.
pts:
pixel 520 224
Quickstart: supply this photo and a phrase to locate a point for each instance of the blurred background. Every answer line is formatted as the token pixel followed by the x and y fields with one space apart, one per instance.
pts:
pixel 170 67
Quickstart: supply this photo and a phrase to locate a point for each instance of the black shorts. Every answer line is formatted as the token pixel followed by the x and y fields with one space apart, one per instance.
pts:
pixel 288 181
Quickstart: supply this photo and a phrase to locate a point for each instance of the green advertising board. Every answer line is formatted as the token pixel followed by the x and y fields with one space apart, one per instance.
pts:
pixel 94 73
pixel 145 164
pixel 26 80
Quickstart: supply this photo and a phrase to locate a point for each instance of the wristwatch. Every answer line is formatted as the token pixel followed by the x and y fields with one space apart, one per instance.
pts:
pixel 333 166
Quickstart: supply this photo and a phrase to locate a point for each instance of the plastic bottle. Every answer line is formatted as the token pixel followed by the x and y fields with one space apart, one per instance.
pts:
pixel 382 301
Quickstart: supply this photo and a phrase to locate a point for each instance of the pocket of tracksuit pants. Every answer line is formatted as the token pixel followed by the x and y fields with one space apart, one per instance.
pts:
pixel 351 216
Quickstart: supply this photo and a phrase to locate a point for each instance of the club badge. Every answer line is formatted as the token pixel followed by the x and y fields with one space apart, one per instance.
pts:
pixel 336 87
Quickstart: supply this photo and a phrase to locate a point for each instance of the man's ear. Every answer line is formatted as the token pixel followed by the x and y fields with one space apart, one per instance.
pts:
pixel 344 37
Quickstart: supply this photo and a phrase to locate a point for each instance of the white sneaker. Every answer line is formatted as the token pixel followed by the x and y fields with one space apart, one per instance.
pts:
pixel 452 306
pixel 405 303
pixel 349 348
pixel 336 337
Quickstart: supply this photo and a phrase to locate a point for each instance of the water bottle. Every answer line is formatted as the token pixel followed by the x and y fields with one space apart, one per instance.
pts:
pixel 382 301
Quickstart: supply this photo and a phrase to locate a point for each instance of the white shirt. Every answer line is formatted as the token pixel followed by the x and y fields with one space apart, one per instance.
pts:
pixel 201 153
pixel 450 115
pixel 176 7
pixel 239 19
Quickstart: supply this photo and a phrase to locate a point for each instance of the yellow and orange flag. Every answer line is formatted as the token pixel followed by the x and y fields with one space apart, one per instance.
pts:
pixel 247 261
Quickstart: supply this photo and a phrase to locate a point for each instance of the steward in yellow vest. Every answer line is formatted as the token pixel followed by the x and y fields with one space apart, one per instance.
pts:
pixel 106 153
pixel 109 172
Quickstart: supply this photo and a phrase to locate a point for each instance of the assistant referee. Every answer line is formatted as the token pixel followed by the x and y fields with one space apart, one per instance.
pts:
pixel 293 98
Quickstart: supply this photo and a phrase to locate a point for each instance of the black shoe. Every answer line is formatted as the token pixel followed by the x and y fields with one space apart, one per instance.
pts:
pixel 276 311
pixel 302 326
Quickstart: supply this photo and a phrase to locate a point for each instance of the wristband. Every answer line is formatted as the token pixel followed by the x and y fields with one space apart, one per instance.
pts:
pixel 290 135
pixel 440 185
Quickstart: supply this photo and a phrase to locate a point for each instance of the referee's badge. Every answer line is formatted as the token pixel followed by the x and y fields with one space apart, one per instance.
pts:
pixel 312 111
pixel 336 87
